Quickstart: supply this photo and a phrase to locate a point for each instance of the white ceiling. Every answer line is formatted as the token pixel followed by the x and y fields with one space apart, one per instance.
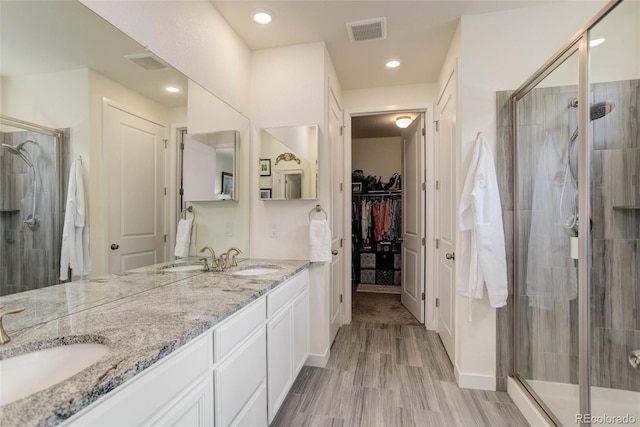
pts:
pixel 419 33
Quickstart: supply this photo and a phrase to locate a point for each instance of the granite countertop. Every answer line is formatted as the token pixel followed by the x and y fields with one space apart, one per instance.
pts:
pixel 141 316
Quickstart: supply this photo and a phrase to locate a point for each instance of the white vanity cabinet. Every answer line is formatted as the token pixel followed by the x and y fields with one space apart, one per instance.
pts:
pixel 287 337
pixel 236 374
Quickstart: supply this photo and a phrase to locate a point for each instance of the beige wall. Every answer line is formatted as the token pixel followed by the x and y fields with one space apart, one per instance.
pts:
pixel 377 156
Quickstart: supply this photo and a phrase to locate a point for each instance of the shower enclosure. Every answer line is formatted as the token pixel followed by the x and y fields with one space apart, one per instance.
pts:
pixel 576 126
pixel 31 205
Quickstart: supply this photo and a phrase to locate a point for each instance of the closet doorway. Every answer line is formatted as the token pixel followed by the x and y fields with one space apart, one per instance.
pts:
pixel 388 218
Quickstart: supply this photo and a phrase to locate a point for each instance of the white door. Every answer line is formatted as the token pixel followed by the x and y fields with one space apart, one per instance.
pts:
pixel 336 131
pixel 413 225
pixel 445 221
pixel 135 155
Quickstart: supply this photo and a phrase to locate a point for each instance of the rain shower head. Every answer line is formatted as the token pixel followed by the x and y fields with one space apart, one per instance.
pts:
pixel 17 150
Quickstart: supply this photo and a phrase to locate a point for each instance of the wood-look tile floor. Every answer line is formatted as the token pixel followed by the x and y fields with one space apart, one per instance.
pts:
pixel 390 375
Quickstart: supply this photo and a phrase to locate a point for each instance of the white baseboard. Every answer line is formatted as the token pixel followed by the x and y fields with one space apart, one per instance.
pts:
pixel 475 381
pixel 318 360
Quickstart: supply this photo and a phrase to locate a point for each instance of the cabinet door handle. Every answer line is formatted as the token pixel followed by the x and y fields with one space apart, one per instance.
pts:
pixel 451 256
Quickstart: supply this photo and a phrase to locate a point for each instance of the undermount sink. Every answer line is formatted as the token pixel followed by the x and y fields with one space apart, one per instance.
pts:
pixel 255 271
pixel 179 268
pixel 31 372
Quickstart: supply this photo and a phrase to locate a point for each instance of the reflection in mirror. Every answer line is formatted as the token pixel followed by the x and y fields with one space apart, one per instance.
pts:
pixel 289 163
pixel 209 166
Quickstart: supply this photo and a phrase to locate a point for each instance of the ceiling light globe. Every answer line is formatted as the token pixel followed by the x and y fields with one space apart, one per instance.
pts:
pixel 261 17
pixel 403 121
pixel 393 64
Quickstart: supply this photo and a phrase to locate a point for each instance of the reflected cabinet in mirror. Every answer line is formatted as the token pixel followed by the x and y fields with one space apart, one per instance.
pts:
pixel 209 166
pixel 289 163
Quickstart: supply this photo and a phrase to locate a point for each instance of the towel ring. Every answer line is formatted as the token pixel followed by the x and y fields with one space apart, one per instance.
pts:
pixel 318 209
pixel 189 209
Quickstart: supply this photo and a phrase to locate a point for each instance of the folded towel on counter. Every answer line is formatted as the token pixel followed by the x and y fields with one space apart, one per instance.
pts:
pixel 183 238
pixel 320 241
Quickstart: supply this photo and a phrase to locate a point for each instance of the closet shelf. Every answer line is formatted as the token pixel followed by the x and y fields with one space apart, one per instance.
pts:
pixel 378 194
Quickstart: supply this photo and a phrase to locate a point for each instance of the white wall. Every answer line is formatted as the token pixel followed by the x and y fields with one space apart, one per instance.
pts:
pixel 498 51
pixel 390 97
pixel 191 36
pixel 380 157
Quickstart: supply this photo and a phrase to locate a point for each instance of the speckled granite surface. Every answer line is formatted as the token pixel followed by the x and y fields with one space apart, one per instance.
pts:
pixel 142 316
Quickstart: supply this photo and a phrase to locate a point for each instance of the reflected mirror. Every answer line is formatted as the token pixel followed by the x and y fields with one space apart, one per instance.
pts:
pixel 289 163
pixel 209 166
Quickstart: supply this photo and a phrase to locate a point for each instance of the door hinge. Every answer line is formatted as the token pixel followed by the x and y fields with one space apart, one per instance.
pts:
pixel 423 241
pixel 165 143
pixel 165 238
pixel 341 241
pixel 182 191
pixel 165 191
pixel 424 186
pixel 437 302
pixel 341 186
pixel 340 298
pixel 437 122
pixel 424 132
pixel 437 243
pixel 182 146
pixel 423 296
pixel 341 130
pixel 437 184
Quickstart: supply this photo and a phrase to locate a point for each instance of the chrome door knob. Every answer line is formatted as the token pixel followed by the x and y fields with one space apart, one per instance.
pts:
pixel 115 246
pixel 334 252
pixel 451 256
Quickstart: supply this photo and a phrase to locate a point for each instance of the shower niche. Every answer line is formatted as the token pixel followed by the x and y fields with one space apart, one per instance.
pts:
pixel 31 205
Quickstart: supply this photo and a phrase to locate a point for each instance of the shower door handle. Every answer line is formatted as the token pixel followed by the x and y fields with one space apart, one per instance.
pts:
pixel 115 246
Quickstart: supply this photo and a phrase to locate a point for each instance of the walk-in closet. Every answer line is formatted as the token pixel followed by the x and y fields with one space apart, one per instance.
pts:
pixel 376 220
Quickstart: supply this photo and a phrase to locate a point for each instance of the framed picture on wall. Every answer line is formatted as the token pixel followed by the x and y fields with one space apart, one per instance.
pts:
pixel 356 187
pixel 265 167
pixel 227 183
pixel 265 193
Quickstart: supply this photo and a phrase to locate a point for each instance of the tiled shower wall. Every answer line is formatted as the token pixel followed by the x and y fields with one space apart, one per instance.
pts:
pixel 29 259
pixel 547 342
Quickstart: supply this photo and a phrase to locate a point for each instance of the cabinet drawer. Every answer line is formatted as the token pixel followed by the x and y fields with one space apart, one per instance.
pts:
pixel 237 328
pixel 151 391
pixel 238 378
pixel 284 293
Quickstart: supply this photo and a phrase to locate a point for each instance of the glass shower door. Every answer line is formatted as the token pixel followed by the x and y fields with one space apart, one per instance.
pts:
pixel 546 354
pixel 615 200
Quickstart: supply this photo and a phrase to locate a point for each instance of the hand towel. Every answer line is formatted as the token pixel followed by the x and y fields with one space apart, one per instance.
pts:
pixel 320 241
pixel 192 242
pixel 183 238
pixel 74 252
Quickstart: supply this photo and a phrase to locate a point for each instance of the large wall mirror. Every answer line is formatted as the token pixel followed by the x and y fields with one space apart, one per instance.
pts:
pixel 209 166
pixel 288 167
pixel 60 62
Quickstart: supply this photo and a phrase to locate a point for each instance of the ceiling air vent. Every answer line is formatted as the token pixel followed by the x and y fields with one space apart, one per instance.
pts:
pixel 367 29
pixel 147 61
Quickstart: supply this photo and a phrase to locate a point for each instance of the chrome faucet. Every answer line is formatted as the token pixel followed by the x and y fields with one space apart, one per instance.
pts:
pixel 4 338
pixel 233 262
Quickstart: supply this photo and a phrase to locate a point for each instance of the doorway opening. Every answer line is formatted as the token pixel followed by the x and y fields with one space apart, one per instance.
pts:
pixel 381 265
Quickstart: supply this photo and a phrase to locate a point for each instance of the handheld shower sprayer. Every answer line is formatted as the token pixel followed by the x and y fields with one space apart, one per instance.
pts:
pixel 18 150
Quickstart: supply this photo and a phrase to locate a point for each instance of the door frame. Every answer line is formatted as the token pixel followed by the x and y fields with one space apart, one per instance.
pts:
pixel 104 175
pixel 428 110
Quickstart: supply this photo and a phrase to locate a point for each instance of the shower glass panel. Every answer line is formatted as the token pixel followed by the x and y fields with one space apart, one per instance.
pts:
pixel 30 206
pixel 546 353
pixel 614 96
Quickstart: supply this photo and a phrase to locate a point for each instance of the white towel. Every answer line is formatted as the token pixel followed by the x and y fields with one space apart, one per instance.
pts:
pixel 74 252
pixel 183 238
pixel 320 241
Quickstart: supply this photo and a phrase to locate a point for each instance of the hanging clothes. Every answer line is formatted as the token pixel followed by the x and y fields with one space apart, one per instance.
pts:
pixel 483 250
pixel 550 274
pixel 74 252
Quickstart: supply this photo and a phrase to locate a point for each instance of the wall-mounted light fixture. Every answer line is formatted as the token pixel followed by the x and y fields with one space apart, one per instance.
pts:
pixel 403 121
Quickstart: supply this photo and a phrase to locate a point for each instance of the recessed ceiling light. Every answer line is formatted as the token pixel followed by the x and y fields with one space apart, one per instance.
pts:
pixel 262 16
pixel 596 42
pixel 403 121
pixel 393 64
pixel 172 89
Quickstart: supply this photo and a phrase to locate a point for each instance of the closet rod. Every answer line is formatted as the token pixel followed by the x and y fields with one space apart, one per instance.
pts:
pixel 383 194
